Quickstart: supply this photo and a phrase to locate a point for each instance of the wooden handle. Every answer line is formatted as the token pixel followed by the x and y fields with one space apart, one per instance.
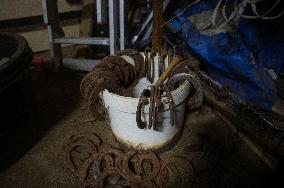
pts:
pixel 157 22
pixel 168 71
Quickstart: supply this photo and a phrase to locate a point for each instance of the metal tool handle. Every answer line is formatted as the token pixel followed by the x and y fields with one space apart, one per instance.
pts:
pixel 168 71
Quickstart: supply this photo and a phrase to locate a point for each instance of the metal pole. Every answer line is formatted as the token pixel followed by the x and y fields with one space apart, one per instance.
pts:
pixel 121 23
pixel 146 22
pixel 50 17
pixel 113 25
pixel 99 11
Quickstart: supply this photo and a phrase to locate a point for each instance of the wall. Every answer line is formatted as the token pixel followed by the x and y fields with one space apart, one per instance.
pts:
pixel 11 9
pixel 37 37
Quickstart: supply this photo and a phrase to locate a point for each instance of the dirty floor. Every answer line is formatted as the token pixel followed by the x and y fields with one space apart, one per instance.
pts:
pixel 218 157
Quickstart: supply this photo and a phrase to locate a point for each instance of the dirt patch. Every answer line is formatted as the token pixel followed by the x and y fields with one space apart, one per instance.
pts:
pixel 218 159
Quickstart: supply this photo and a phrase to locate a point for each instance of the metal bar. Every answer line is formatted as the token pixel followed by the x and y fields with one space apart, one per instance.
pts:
pixel 50 11
pixel 80 64
pixel 50 15
pixel 101 7
pixel 147 21
pixel 44 9
pixel 157 22
pixel 168 71
pixel 45 19
pixel 83 41
pixel 148 32
pixel 99 11
pixel 144 25
pixel 113 26
pixel 121 24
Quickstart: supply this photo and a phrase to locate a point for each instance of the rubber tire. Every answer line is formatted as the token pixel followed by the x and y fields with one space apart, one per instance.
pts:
pixel 17 104
pixel 16 48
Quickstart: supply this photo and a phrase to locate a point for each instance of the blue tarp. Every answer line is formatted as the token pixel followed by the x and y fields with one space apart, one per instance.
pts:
pixel 238 59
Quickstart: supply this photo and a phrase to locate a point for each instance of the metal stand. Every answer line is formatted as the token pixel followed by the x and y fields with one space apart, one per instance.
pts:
pixel 57 37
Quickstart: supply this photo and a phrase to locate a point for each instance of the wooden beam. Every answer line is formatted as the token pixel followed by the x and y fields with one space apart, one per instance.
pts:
pixel 157 22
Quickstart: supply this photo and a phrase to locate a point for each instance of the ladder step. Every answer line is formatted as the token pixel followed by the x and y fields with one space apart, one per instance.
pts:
pixel 80 64
pixel 83 41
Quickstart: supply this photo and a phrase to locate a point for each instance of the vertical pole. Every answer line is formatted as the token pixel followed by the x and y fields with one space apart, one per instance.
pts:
pixel 99 11
pixel 50 17
pixel 121 24
pixel 157 22
pixel 101 7
pixel 113 25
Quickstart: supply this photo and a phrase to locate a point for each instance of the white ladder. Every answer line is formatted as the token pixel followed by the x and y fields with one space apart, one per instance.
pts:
pixel 56 35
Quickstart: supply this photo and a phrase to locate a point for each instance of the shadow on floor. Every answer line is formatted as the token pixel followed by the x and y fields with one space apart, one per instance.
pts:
pixel 29 111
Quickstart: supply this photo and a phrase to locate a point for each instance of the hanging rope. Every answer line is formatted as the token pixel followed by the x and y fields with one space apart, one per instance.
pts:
pixel 239 8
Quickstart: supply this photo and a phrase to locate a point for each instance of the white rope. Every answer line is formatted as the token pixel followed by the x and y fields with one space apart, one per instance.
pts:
pixel 181 13
pixel 263 16
pixel 215 12
pixel 239 9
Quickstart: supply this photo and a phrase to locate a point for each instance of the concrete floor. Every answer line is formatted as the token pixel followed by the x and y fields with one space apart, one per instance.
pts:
pixel 61 112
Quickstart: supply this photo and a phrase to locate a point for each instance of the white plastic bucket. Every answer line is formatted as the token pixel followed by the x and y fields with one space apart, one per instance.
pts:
pixel 122 114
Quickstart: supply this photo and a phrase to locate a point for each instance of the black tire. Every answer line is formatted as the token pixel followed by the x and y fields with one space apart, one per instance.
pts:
pixel 16 99
pixel 19 54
